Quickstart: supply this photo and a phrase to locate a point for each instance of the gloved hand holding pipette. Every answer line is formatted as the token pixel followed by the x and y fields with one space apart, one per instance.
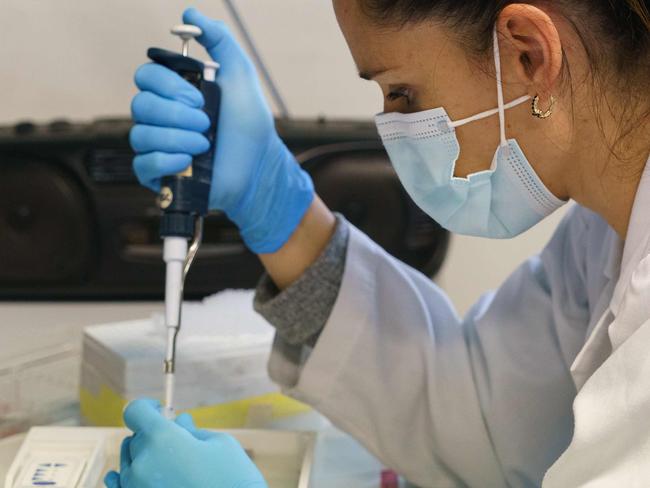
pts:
pixel 164 453
pixel 252 177
pixel 256 180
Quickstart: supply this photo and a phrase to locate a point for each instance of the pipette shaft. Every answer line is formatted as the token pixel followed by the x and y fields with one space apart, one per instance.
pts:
pixel 175 256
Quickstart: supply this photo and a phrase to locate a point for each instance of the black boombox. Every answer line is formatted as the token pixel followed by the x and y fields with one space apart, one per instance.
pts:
pixel 75 224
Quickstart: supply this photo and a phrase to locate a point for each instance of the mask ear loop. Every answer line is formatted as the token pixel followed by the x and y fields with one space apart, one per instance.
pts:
pixel 501 104
pixel 489 113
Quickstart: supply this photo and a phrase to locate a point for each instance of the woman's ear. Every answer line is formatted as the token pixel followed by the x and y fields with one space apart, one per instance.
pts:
pixel 531 48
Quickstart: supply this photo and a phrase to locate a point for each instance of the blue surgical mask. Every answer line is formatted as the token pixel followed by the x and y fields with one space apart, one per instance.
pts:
pixel 500 203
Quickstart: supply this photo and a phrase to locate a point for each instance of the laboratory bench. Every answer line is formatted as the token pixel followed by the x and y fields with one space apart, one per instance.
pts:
pixel 40 353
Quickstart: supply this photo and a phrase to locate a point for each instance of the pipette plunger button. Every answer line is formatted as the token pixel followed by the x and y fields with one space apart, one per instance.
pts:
pixel 186 32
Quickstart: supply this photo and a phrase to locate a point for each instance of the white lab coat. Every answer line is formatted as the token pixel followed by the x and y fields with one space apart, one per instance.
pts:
pixel 486 401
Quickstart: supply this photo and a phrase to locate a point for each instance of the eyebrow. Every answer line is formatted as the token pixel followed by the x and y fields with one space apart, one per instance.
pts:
pixel 370 75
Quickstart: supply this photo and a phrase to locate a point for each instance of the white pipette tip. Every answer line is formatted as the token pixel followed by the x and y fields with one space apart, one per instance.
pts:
pixel 168 409
pixel 169 413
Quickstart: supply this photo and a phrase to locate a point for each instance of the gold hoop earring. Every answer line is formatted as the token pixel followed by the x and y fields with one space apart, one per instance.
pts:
pixel 537 112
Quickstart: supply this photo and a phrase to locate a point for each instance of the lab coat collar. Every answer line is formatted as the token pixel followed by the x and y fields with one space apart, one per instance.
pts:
pixel 614 243
pixel 637 244
pixel 598 346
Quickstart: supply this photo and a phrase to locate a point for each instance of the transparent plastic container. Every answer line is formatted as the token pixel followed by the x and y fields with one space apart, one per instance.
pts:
pixel 39 388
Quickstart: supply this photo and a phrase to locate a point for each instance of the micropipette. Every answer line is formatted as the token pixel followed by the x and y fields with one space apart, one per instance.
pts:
pixel 183 197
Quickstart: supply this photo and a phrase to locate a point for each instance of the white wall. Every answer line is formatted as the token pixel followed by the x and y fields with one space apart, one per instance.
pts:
pixel 76 58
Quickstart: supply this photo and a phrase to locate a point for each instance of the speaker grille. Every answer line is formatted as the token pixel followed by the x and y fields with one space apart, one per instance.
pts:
pixel 45 224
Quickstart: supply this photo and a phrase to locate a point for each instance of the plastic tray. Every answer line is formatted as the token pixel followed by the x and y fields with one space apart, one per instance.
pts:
pixel 39 387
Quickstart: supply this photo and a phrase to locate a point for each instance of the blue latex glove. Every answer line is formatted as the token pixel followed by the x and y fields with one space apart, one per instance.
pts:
pixel 257 181
pixel 175 454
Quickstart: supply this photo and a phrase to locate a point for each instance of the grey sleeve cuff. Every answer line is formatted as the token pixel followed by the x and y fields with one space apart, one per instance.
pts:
pixel 300 312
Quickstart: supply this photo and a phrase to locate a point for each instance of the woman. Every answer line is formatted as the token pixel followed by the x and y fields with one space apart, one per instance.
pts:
pixel 551 371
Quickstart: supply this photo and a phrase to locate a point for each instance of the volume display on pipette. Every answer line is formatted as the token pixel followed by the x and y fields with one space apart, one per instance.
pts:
pixel 184 197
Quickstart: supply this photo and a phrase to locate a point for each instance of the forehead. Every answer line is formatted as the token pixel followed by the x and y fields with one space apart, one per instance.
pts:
pixel 354 23
pixel 376 47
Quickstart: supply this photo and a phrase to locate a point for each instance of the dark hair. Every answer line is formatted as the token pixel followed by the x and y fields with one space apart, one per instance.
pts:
pixel 626 23
pixel 615 35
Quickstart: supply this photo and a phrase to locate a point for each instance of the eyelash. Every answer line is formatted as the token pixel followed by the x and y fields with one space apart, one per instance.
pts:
pixel 399 93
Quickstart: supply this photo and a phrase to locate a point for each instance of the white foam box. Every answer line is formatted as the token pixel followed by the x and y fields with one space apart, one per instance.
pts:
pixel 79 457
pixel 221 366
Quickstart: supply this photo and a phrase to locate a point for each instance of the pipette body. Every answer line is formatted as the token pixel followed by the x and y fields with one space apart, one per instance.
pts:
pixel 183 199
